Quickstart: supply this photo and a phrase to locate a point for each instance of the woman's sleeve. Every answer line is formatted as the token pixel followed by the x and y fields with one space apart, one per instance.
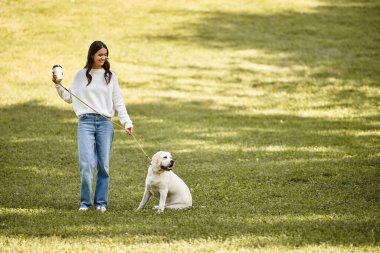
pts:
pixel 64 94
pixel 118 103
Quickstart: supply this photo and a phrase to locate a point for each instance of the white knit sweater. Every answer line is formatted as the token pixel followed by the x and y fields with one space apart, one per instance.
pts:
pixel 104 98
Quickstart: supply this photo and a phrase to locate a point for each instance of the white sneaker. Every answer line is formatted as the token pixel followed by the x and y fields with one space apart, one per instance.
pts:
pixel 83 209
pixel 101 209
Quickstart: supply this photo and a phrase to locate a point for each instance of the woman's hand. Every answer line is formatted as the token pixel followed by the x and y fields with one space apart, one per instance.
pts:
pixel 129 130
pixel 54 79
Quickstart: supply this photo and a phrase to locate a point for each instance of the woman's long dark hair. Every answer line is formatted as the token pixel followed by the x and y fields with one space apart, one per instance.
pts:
pixel 95 47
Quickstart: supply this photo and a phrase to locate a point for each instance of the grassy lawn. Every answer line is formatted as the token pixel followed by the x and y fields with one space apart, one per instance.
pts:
pixel 270 108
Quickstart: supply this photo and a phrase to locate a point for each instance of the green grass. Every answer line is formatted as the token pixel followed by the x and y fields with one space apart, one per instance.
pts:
pixel 270 108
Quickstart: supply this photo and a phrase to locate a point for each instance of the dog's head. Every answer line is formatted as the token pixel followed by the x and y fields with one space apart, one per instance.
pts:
pixel 162 160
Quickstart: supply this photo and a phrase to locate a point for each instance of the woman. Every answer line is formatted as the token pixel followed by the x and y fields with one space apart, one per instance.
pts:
pixel 98 87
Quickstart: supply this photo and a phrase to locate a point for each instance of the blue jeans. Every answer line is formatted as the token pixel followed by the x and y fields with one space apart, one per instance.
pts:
pixel 95 136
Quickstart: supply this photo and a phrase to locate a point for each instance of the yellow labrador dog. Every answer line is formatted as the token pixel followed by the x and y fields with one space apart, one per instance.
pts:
pixel 165 185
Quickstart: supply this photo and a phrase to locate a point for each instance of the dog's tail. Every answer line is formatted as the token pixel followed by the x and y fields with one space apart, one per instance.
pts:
pixel 193 207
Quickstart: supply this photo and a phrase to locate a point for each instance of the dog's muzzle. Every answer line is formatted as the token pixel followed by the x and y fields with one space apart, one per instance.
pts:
pixel 170 167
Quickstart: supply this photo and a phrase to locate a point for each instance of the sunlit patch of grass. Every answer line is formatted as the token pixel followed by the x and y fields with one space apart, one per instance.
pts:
pixel 22 211
pixel 356 133
pixel 42 171
pixel 142 244
pixel 315 149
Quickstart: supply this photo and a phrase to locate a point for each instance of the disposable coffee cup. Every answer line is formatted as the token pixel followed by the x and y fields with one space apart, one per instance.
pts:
pixel 57 71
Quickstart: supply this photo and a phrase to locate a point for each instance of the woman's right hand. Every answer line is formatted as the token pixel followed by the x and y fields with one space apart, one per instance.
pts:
pixel 54 79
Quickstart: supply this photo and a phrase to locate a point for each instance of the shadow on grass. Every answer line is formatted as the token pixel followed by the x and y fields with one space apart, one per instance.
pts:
pixel 335 40
pixel 305 180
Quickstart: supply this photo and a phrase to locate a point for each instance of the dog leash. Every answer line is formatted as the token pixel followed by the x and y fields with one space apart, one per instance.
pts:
pixel 107 118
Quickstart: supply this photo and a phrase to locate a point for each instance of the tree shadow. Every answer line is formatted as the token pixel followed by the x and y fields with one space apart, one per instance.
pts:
pixel 239 167
pixel 335 40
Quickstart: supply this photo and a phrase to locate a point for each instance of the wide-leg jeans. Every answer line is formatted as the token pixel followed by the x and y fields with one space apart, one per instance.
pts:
pixel 95 137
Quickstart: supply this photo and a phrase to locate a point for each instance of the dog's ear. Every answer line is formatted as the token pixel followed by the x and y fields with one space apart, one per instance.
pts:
pixel 156 159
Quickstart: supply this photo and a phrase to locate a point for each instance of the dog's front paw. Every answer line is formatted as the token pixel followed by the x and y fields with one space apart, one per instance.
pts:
pixel 158 209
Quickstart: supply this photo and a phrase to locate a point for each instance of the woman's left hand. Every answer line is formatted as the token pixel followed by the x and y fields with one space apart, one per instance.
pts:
pixel 129 130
